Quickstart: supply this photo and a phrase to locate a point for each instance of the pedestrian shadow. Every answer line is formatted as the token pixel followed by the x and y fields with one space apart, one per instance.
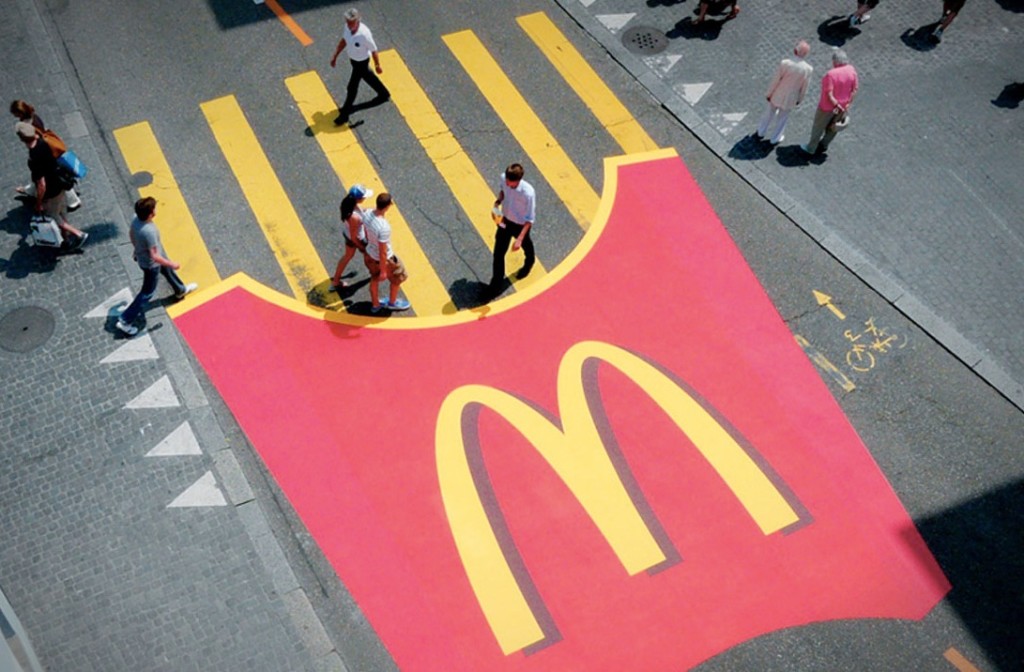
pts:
pixel 664 3
pixel 1011 5
pixel 836 30
pixel 689 29
pixel 751 148
pixel 920 39
pixel 469 294
pixel 1011 96
pixel 323 122
pixel 792 156
pixel 28 259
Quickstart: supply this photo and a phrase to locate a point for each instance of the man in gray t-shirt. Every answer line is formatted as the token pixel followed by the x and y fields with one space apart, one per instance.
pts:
pixel 153 262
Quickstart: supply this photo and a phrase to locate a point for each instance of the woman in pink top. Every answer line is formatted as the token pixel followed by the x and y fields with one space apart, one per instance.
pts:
pixel 838 89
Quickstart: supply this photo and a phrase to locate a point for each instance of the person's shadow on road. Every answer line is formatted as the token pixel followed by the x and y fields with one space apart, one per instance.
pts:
pixel 920 39
pixel 1011 96
pixel 664 3
pixel 689 29
pixel 792 156
pixel 751 148
pixel 836 30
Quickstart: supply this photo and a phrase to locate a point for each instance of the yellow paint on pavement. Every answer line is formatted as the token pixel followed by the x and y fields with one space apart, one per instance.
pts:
pixel 178 230
pixel 424 288
pixel 289 23
pixel 957 660
pixel 527 128
pixel 474 194
pixel 274 212
pixel 591 89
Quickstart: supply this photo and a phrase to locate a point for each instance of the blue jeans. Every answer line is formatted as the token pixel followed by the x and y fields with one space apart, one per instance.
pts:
pixel 149 278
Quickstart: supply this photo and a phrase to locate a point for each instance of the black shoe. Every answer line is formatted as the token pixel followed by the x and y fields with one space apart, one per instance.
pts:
pixel 523 272
pixel 341 120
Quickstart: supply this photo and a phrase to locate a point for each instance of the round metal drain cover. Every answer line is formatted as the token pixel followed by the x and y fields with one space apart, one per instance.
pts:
pixel 644 40
pixel 25 329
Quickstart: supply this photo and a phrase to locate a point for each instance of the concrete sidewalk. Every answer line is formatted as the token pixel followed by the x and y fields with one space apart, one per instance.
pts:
pixel 921 196
pixel 132 539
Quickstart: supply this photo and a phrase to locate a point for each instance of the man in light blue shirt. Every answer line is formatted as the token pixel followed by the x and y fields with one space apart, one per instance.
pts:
pixel 518 205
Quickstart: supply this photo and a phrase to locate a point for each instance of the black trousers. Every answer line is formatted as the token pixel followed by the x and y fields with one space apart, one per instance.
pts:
pixel 502 238
pixel 361 71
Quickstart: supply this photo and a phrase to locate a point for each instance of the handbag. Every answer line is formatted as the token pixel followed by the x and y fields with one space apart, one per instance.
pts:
pixel 839 121
pixel 70 162
pixel 45 232
pixel 57 146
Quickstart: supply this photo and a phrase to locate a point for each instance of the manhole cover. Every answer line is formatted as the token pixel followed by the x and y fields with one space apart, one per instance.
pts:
pixel 645 40
pixel 25 329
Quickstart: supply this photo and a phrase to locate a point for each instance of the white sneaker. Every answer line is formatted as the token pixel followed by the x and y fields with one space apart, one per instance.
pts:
pixel 129 329
pixel 189 288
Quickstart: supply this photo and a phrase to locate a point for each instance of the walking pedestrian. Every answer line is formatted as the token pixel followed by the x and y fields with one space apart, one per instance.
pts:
pixel 49 184
pixel 153 261
pixel 784 93
pixel 950 8
pixel 22 111
pixel 702 10
pixel 838 89
pixel 518 203
pixel 352 230
pixel 862 14
pixel 380 258
pixel 357 42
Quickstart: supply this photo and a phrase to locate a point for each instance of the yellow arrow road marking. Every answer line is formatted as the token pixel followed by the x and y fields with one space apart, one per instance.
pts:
pixel 299 260
pixel 178 230
pixel 826 300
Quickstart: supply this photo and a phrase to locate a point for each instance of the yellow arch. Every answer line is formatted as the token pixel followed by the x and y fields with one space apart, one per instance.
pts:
pixel 579 456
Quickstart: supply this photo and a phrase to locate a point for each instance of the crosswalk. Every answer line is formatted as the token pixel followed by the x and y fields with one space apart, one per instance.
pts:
pixel 303 265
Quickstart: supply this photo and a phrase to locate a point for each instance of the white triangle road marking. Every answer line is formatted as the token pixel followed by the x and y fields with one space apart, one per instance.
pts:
pixel 182 441
pixel 692 93
pixel 726 122
pixel 615 22
pixel 662 63
pixel 158 395
pixel 203 492
pixel 122 298
pixel 135 349
pixel 586 3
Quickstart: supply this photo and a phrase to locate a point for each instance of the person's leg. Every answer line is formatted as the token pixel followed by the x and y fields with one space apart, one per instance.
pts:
pixel 735 11
pixel 57 208
pixel 359 69
pixel 149 278
pixel 702 11
pixel 502 239
pixel 374 81
pixel 350 251
pixel 780 126
pixel 529 253
pixel 176 283
pixel 766 120
pixel 821 120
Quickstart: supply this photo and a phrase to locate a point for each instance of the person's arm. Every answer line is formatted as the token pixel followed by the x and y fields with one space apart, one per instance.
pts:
pixel 154 254
pixel 341 45
pixel 522 234
pixel 382 256
pixel 354 222
pixel 40 193
pixel 376 61
pixel 775 83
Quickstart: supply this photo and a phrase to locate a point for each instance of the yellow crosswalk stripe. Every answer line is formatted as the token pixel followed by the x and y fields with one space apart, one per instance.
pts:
pixel 350 163
pixel 591 89
pixel 178 230
pixel 299 260
pixel 527 128
pixel 474 195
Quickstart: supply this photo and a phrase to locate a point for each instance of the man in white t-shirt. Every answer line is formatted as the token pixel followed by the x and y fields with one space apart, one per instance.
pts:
pixel 357 41
pixel 380 259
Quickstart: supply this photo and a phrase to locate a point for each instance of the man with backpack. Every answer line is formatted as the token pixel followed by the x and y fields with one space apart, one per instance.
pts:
pixel 50 184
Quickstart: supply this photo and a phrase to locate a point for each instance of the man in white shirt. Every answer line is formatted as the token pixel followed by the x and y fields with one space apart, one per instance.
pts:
pixel 380 259
pixel 518 204
pixel 357 41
